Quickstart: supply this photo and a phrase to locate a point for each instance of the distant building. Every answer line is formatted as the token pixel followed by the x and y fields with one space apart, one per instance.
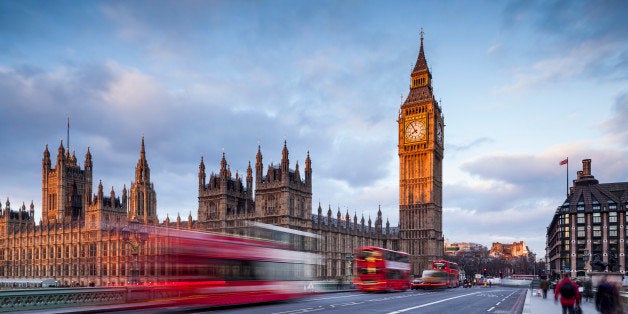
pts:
pixel 589 228
pixel 463 247
pixel 509 251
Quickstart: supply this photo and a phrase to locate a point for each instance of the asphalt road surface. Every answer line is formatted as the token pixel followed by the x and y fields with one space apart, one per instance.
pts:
pixel 458 300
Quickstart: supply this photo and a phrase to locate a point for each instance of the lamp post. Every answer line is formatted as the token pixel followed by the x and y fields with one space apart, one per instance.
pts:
pixel 134 235
pixel 349 261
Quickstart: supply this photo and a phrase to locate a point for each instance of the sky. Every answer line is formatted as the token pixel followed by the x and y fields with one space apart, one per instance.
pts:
pixel 522 84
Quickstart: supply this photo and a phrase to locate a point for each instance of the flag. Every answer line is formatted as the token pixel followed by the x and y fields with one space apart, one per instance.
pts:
pixel 564 162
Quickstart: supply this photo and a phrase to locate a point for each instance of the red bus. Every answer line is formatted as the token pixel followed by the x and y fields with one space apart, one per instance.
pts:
pixel 379 269
pixel 206 269
pixel 452 270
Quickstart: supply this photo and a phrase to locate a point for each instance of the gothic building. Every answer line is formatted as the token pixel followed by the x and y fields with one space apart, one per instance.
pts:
pixel 79 240
pixel 93 239
pixel 420 151
pixel 283 197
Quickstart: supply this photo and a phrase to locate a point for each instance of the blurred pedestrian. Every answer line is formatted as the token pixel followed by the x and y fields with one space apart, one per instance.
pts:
pixel 607 299
pixel 544 287
pixel 588 290
pixel 570 297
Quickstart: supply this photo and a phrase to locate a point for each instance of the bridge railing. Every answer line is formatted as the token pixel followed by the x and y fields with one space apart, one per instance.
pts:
pixel 32 299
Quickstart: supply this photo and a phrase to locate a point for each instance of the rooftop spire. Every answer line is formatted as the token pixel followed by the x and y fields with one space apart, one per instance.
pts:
pixel 142 150
pixel 68 133
pixel 421 64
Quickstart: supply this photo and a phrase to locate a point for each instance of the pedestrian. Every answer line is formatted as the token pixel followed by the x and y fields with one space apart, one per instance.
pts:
pixel 544 287
pixel 588 290
pixel 570 297
pixel 607 299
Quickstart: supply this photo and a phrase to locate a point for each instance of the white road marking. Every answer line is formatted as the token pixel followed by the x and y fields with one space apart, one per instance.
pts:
pixel 431 303
pixel 490 309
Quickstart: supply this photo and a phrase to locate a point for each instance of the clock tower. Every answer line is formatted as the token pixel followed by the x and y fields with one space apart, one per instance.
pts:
pixel 421 170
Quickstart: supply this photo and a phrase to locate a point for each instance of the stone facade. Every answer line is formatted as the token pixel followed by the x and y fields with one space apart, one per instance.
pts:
pixel 83 238
pixel 590 227
pixel 421 145
pixel 283 197
pixel 79 240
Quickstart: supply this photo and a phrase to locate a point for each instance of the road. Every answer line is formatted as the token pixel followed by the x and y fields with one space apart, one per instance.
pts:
pixel 459 300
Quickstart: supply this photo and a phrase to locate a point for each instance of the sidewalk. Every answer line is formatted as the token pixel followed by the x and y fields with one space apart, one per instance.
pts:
pixel 537 305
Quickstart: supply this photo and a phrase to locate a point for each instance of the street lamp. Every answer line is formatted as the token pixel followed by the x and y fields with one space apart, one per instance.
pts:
pixel 134 236
pixel 349 261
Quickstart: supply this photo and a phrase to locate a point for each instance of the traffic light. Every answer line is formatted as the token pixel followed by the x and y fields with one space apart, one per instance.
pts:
pixel 485 272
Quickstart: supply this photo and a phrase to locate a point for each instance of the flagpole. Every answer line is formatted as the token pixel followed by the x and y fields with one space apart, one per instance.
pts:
pixel 567 182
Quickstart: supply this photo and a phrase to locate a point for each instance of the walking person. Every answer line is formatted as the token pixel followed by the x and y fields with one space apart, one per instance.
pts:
pixel 607 299
pixel 544 287
pixel 570 297
pixel 588 290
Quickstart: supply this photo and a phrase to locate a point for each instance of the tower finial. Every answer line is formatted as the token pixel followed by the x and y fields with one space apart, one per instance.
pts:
pixel 422 35
pixel 68 133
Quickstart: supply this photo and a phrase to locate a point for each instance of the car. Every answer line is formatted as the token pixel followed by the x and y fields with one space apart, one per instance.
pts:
pixel 416 283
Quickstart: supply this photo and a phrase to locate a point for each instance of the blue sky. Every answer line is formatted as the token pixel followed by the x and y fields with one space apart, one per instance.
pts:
pixel 523 84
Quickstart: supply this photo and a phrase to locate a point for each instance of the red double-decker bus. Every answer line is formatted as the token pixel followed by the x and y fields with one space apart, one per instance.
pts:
pixel 379 269
pixel 207 269
pixel 452 270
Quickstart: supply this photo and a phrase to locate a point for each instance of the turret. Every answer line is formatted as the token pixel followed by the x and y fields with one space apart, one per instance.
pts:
pixel 259 167
pixel 285 162
pixel 223 167
pixel 100 193
pixel 112 196
pixel 124 198
pixel 60 154
pixel 88 160
pixel 249 180
pixel 297 174
pixel 320 214
pixel 46 160
pixel 308 170
pixel 201 175
pixel 142 171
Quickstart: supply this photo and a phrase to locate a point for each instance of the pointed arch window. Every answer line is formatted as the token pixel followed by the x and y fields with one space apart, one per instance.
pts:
pixel 580 206
pixel 596 205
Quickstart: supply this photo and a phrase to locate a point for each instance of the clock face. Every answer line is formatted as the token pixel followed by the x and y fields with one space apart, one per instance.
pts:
pixel 415 130
pixel 439 133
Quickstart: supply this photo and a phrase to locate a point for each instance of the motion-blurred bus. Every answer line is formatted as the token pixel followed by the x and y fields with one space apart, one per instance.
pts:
pixel 208 269
pixel 433 279
pixel 379 269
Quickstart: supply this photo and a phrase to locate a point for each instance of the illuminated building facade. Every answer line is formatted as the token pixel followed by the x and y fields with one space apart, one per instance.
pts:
pixel 590 227
pixel 83 238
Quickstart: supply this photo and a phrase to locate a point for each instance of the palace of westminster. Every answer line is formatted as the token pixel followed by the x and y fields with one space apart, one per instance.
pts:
pixel 81 238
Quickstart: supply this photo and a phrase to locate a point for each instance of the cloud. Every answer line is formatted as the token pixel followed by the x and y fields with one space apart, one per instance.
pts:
pixel 615 126
pixel 472 144
pixel 575 40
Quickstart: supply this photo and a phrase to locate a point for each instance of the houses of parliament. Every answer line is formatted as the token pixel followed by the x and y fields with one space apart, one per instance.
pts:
pixel 81 238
